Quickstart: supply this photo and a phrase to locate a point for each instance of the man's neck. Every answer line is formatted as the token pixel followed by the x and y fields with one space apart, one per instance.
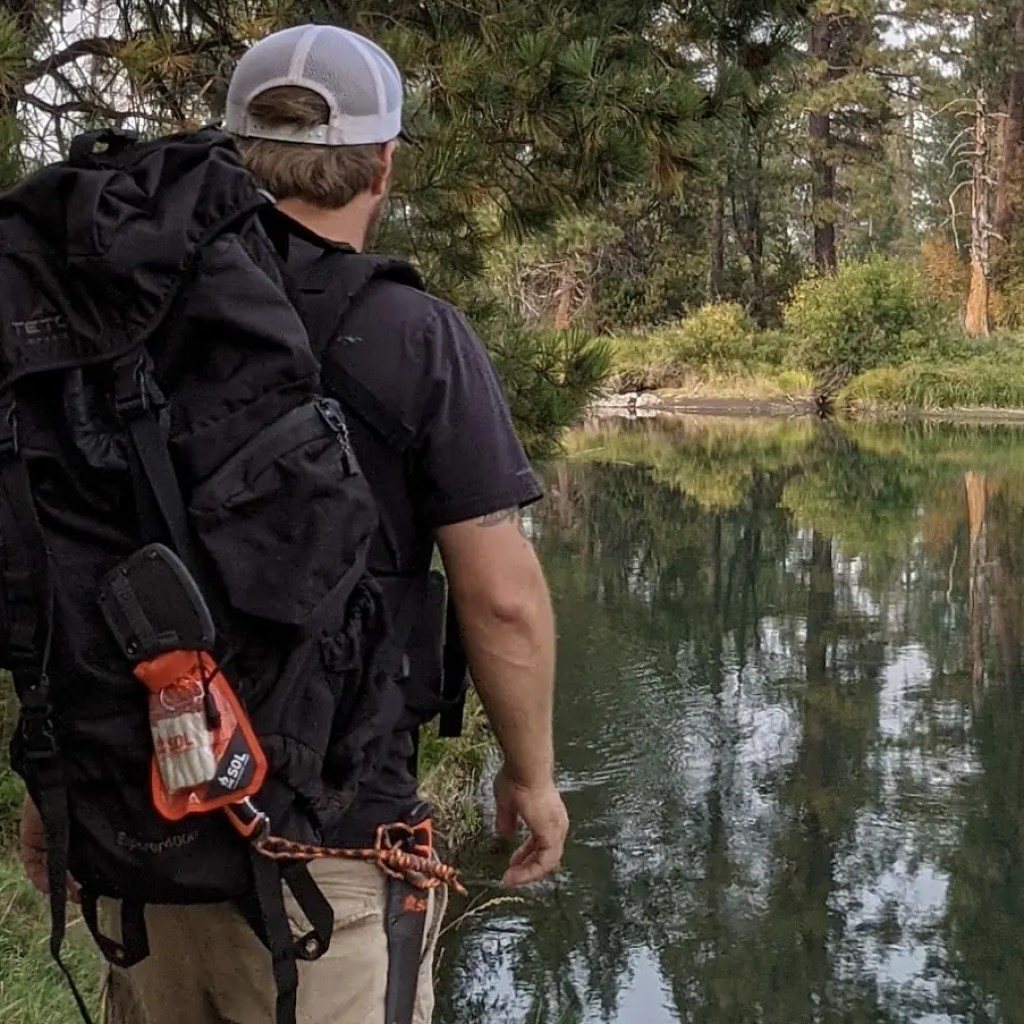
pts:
pixel 346 225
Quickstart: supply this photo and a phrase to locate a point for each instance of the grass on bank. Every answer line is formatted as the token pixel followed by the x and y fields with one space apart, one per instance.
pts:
pixel 450 776
pixel 32 990
pixel 980 382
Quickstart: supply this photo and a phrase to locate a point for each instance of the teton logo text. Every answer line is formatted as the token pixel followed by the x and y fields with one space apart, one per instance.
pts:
pixel 40 329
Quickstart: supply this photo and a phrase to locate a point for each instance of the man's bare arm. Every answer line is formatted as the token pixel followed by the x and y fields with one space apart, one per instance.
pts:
pixel 507 625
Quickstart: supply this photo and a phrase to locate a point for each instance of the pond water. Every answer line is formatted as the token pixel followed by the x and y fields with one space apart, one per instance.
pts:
pixel 791 733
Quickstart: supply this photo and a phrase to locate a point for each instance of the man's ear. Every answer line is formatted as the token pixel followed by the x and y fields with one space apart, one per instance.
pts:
pixel 387 163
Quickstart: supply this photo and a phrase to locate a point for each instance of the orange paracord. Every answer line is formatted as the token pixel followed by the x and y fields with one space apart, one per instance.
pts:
pixel 418 869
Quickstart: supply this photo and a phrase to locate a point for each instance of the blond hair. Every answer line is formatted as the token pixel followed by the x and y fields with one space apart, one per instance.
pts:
pixel 326 176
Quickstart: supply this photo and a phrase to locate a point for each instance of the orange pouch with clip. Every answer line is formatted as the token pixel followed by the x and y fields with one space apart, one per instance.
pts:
pixel 206 755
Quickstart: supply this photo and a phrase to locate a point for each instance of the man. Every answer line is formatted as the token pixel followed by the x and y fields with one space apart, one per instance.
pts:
pixel 316 112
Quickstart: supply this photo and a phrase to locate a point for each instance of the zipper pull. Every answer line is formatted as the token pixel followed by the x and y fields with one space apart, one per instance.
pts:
pixel 332 416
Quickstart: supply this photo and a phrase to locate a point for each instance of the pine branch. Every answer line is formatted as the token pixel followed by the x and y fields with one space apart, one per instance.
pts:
pixel 101 46
pixel 90 107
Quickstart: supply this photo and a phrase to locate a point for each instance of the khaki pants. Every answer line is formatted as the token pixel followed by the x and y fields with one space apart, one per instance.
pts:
pixel 207 967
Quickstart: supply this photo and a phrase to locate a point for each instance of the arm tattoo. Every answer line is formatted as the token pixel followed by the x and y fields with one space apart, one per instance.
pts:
pixel 505 515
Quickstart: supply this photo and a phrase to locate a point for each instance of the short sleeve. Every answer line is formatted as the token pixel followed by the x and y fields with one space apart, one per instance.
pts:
pixel 471 460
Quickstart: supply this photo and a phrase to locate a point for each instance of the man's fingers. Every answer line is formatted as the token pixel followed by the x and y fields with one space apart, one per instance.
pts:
pixel 534 869
pixel 531 863
pixel 523 854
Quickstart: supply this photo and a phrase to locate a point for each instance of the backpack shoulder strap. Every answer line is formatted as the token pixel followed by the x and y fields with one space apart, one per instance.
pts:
pixel 330 287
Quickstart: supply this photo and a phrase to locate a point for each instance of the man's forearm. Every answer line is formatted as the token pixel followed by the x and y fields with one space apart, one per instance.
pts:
pixel 508 627
pixel 512 660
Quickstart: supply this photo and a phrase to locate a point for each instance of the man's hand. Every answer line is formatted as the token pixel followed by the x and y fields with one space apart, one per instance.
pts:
pixel 542 811
pixel 32 838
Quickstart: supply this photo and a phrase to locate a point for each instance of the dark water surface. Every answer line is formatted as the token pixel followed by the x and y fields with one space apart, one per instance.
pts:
pixel 791 733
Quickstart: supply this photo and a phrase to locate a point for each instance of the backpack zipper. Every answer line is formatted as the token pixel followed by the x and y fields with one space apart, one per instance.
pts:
pixel 332 416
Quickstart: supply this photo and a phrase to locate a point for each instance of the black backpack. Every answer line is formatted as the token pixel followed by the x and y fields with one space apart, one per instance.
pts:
pixel 157 386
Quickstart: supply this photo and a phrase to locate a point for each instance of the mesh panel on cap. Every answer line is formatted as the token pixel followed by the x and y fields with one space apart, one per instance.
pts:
pixel 336 63
pixel 267 61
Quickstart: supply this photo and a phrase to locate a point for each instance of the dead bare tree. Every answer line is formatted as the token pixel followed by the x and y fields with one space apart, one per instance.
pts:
pixel 972 149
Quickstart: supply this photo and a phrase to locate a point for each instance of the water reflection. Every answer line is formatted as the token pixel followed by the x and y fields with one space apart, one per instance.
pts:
pixel 789 724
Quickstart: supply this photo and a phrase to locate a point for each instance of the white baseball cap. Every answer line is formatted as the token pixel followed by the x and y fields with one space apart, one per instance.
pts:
pixel 359 81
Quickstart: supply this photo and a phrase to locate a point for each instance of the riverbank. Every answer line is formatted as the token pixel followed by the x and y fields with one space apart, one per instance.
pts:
pixel 873 340
pixel 672 402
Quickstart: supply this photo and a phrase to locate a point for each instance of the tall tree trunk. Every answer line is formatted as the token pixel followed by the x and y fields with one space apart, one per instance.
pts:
pixel 716 284
pixel 823 33
pixel 1012 134
pixel 977 321
pixel 749 224
pixel 566 295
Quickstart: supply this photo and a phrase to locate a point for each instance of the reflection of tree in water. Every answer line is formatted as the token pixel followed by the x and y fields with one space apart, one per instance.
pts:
pixel 985 920
pixel 732 637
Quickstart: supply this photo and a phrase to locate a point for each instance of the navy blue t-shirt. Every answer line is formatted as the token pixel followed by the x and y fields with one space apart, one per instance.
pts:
pixel 421 359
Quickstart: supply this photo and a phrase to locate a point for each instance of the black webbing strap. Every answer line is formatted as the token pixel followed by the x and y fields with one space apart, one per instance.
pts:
pixel 133 946
pixel 29 582
pixel 332 286
pixel 138 402
pixel 52 804
pixel 316 908
pixel 277 933
pixel 131 607
pixel 356 397
pixel 456 680
pixel 405 617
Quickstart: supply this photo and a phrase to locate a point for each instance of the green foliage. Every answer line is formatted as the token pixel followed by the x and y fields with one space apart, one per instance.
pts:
pixel 11 795
pixel 983 382
pixel 719 338
pixel 718 335
pixel 14 54
pixel 550 378
pixel 12 161
pixel 450 774
pixel 871 314
pixel 11 790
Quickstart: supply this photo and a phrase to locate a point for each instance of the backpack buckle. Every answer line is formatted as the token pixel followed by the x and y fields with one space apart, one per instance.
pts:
pixel 39 741
pixel 132 393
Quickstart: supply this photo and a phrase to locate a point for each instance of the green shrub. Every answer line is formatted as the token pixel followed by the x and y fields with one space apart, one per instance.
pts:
pixel 550 377
pixel 719 336
pixel 982 382
pixel 718 339
pixel 772 349
pixel 634 365
pixel 794 382
pixel 871 314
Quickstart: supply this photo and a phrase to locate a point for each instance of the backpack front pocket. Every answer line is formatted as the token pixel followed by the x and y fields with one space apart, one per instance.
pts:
pixel 282 517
